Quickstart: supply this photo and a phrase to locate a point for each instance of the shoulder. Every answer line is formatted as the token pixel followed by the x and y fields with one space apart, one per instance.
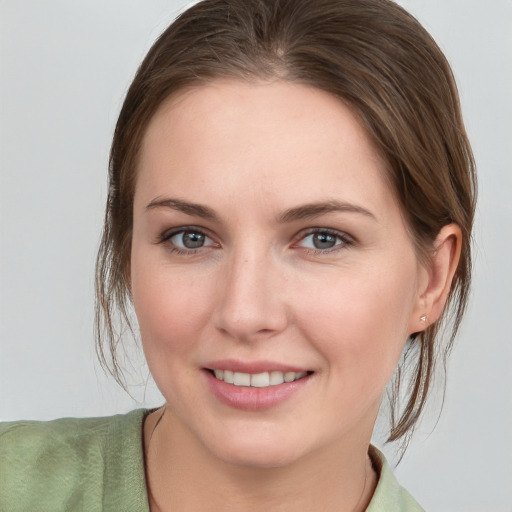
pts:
pixel 68 463
pixel 34 435
pixel 389 494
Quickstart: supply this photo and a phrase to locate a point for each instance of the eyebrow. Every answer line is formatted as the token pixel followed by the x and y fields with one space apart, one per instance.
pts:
pixel 197 210
pixel 307 211
pixel 313 210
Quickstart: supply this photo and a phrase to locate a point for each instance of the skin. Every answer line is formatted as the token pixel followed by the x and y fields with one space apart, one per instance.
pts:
pixel 258 289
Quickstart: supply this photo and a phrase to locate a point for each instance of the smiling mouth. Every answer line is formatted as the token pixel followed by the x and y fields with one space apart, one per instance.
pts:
pixel 258 380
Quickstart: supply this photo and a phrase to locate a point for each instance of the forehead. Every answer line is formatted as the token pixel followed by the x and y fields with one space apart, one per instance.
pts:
pixel 263 107
pixel 279 139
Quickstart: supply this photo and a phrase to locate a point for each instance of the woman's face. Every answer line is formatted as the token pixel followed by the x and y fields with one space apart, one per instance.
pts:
pixel 268 247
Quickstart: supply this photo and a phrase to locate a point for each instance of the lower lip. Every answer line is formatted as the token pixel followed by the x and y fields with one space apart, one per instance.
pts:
pixel 249 398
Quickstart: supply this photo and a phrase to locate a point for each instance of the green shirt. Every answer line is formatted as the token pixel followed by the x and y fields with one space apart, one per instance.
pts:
pixel 94 464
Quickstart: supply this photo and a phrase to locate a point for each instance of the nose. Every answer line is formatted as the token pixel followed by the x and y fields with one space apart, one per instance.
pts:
pixel 251 301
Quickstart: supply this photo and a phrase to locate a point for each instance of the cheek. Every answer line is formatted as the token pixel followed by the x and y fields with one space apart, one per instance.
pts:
pixel 170 317
pixel 171 321
pixel 359 323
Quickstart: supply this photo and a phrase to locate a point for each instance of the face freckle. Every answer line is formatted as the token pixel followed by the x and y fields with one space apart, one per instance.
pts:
pixel 266 238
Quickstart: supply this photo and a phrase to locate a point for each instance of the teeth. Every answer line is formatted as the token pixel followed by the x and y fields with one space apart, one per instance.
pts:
pixel 258 380
pixel 276 378
pixel 241 379
pixel 289 376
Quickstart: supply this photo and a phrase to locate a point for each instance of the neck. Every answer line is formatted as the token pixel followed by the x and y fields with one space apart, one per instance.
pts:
pixel 183 476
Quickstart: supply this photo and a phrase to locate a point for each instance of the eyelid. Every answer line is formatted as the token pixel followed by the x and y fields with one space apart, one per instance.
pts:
pixel 168 233
pixel 166 236
pixel 346 239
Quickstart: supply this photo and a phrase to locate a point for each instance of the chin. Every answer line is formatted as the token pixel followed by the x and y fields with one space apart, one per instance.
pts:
pixel 256 456
pixel 256 450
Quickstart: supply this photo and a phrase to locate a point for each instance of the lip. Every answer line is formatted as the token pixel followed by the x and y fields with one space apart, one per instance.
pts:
pixel 253 366
pixel 252 398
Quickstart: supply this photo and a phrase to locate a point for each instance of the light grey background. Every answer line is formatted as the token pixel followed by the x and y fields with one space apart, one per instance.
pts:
pixel 65 66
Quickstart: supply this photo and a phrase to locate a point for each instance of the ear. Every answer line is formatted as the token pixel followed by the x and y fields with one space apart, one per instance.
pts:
pixel 437 279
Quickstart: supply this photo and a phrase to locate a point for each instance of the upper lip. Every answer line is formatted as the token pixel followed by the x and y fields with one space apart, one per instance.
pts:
pixel 253 366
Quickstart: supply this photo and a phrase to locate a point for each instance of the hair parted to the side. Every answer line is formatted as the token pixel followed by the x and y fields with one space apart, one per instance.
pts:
pixel 378 60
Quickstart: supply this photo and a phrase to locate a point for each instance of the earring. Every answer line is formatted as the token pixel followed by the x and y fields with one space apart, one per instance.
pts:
pixel 423 318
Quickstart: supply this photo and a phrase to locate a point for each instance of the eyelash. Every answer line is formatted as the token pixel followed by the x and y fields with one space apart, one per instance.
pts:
pixel 166 236
pixel 345 240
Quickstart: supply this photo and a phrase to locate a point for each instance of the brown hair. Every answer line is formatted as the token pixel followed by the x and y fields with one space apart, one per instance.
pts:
pixel 379 61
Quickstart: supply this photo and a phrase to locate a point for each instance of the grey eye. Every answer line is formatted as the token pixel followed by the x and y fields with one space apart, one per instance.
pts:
pixel 324 240
pixel 190 240
pixel 321 240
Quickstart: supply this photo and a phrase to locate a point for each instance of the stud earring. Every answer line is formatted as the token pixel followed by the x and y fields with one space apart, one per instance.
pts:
pixel 423 318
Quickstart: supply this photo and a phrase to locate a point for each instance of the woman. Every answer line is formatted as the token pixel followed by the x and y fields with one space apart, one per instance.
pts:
pixel 290 209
